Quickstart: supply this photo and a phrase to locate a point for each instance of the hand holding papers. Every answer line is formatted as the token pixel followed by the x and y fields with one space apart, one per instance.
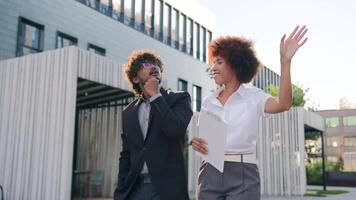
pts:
pixel 213 130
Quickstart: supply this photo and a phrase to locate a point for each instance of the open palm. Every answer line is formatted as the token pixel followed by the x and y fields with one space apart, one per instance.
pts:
pixel 290 46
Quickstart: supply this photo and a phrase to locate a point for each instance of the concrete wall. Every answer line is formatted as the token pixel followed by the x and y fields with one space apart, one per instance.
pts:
pixel 37 115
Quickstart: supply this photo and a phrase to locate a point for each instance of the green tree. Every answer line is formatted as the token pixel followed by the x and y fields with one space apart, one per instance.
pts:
pixel 315 171
pixel 298 94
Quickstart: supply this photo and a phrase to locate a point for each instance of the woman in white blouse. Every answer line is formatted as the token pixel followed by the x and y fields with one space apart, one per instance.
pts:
pixel 234 63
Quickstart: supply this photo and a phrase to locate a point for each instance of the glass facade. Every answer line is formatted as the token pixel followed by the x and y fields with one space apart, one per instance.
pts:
pixel 160 20
pixel 128 12
pixel 190 36
pixel 332 122
pixel 29 38
pixel 167 24
pixel 63 40
pixel 266 77
pixel 182 85
pixel 149 17
pixel 116 10
pixel 175 29
pixel 332 141
pixel 350 141
pixel 182 32
pixel 96 49
pixel 138 14
pixel 197 97
pixel 349 121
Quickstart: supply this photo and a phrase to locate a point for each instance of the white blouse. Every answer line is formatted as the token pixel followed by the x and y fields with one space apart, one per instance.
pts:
pixel 241 111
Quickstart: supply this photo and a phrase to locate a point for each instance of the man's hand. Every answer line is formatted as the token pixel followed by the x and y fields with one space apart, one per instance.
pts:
pixel 151 87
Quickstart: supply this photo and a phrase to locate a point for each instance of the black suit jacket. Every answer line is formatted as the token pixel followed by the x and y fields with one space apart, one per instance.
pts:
pixel 162 149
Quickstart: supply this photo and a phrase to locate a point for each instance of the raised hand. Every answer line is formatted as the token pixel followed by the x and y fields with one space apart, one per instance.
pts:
pixel 289 46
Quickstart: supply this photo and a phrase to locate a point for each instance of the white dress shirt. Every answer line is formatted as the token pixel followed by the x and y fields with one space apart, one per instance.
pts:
pixel 143 118
pixel 241 111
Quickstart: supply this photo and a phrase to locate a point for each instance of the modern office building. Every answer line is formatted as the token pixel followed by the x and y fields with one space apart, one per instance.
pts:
pixel 265 78
pixel 340 132
pixel 60 107
pixel 178 31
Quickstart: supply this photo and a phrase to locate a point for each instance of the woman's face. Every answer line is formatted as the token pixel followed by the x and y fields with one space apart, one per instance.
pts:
pixel 221 71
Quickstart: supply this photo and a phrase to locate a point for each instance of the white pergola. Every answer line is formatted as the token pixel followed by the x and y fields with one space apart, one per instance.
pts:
pixel 39 95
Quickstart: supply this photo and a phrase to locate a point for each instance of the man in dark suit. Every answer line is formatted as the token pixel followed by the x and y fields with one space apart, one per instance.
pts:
pixel 154 126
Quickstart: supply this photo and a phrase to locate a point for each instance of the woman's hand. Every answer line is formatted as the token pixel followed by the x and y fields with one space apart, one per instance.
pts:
pixel 199 144
pixel 289 46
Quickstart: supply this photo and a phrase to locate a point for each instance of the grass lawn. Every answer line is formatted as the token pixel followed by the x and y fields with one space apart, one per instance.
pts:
pixel 322 193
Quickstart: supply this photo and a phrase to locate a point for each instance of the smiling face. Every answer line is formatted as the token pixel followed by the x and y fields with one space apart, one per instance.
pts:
pixel 222 72
pixel 147 71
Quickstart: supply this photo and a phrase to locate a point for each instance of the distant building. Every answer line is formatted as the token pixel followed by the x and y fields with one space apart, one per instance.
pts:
pixel 265 78
pixel 340 140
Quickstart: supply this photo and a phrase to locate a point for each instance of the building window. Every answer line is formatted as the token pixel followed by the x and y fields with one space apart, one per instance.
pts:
pixel 138 15
pixel 349 121
pixel 128 12
pixel 209 37
pixel 197 41
pixel 158 19
pixel 196 98
pixel 202 44
pixel 350 141
pixel 64 40
pixel 105 7
pixel 332 122
pixel 92 3
pixel 182 85
pixel 96 49
pixel 116 10
pixel 30 37
pixel 182 32
pixel 175 29
pixel 332 141
pixel 167 24
pixel 149 17
pixel 190 36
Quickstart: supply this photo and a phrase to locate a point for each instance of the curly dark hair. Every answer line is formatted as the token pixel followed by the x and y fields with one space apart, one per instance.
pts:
pixel 238 52
pixel 134 64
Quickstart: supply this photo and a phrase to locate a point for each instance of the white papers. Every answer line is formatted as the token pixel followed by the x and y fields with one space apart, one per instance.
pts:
pixel 213 130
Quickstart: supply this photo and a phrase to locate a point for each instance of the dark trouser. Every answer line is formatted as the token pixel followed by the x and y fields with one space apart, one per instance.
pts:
pixel 143 189
pixel 240 181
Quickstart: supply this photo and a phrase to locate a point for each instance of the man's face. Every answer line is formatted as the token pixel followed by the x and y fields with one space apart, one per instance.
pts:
pixel 147 71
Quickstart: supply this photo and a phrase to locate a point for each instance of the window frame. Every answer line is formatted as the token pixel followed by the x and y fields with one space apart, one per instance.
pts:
pixel 73 39
pixel 197 102
pixel 22 22
pixel 100 49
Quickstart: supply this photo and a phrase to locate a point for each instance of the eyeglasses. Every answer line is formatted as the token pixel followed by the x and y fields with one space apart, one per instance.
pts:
pixel 147 65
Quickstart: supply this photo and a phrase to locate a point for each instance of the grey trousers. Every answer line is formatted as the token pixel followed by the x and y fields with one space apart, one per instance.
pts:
pixel 239 181
pixel 143 190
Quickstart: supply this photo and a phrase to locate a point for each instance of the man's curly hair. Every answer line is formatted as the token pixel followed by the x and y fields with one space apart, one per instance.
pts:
pixel 238 52
pixel 134 64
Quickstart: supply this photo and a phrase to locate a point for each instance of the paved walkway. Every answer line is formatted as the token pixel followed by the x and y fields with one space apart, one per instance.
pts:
pixel 348 196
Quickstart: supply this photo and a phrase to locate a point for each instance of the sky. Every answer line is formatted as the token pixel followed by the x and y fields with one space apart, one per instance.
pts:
pixel 326 64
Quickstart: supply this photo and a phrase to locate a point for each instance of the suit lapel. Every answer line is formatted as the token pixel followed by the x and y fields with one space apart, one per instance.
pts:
pixel 134 115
